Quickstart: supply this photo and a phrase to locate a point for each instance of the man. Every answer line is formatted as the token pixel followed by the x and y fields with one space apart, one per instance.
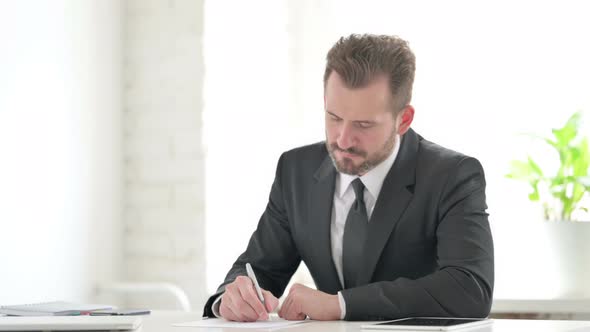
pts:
pixel 389 224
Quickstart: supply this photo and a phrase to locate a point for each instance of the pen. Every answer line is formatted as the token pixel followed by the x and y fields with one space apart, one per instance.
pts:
pixel 252 276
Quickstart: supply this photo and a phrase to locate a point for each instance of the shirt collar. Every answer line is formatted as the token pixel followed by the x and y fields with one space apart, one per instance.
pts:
pixel 373 179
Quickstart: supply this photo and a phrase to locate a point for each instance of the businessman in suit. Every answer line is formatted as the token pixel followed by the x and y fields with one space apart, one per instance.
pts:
pixel 389 224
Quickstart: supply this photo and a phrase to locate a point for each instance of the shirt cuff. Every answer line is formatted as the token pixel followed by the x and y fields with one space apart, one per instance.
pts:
pixel 215 306
pixel 342 305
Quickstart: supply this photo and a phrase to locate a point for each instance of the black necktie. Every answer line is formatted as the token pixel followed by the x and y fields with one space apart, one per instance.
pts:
pixel 355 233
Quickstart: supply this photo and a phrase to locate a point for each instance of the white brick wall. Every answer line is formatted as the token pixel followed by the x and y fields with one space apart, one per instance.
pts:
pixel 164 165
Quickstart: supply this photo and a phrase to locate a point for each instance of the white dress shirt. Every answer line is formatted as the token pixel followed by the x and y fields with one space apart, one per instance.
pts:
pixel 343 198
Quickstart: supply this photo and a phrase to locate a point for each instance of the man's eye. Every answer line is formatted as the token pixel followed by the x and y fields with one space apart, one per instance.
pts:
pixel 334 118
pixel 364 125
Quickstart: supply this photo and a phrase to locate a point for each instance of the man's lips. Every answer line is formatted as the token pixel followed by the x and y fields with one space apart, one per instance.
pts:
pixel 347 154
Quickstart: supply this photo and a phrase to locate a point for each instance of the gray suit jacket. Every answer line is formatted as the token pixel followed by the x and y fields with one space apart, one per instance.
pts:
pixel 429 249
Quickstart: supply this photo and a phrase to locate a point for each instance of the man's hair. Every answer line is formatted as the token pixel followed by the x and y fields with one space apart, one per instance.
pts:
pixel 359 59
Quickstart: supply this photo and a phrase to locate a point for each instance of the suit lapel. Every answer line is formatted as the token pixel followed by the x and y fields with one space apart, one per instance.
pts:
pixel 321 199
pixel 396 193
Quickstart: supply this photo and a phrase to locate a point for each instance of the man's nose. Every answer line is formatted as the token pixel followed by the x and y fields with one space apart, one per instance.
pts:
pixel 346 137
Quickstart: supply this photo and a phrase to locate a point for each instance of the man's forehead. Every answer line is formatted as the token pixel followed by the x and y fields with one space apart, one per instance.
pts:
pixel 370 99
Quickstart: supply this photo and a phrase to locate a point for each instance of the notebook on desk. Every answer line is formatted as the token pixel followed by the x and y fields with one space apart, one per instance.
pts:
pixel 55 308
pixel 70 323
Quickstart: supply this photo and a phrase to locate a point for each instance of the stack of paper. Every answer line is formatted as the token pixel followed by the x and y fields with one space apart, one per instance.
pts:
pixel 56 308
pixel 272 323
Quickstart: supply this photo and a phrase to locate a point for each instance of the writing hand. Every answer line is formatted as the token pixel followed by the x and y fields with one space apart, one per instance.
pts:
pixel 241 303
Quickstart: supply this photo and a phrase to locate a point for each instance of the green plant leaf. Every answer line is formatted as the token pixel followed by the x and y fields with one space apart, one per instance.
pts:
pixel 534 196
pixel 568 132
pixel 552 143
pixel 533 166
pixel 571 183
pixel 581 161
pixel 577 193
pixel 524 171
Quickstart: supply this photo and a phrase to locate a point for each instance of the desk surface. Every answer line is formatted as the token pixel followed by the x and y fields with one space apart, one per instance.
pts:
pixel 541 306
pixel 161 321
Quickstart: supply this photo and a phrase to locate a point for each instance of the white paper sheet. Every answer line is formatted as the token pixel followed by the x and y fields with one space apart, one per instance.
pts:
pixel 272 323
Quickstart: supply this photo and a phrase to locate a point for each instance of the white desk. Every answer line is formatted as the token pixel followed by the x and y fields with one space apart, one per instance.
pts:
pixel 541 306
pixel 160 321
pixel 542 309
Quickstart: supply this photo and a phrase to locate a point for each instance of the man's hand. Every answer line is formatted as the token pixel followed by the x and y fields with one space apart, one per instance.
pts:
pixel 303 301
pixel 241 303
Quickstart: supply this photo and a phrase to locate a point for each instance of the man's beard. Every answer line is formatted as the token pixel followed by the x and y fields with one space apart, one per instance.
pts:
pixel 347 166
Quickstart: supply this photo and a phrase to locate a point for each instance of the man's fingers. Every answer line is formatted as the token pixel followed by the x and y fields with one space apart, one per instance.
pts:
pixel 296 316
pixel 240 302
pixel 229 314
pixel 225 310
pixel 270 301
pixel 226 313
pixel 239 317
pixel 241 308
pixel 285 307
pixel 249 294
pixel 237 304
pixel 289 310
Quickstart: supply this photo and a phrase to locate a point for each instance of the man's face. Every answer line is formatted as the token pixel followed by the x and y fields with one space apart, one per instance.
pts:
pixel 360 126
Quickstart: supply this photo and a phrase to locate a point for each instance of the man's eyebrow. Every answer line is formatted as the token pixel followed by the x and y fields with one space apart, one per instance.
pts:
pixel 356 121
pixel 332 114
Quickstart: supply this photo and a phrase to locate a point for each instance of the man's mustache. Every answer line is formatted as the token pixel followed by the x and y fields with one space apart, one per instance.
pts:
pixel 350 150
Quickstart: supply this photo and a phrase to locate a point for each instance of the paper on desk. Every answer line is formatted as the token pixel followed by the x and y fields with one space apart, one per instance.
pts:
pixel 272 323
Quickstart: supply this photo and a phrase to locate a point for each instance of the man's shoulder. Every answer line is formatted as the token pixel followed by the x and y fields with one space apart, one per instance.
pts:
pixel 439 157
pixel 303 160
pixel 438 152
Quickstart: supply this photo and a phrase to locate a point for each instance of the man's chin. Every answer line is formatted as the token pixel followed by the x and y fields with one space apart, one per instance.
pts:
pixel 347 166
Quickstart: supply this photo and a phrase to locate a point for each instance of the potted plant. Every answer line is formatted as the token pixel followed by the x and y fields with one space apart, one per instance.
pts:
pixel 564 196
pixel 561 193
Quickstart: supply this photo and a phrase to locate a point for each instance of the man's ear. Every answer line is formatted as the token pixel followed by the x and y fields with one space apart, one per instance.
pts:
pixel 405 118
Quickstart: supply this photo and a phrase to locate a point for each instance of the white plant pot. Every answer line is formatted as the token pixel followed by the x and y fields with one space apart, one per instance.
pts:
pixel 569 242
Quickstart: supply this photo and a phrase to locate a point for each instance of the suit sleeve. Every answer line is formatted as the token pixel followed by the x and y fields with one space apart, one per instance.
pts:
pixel 462 285
pixel 270 251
